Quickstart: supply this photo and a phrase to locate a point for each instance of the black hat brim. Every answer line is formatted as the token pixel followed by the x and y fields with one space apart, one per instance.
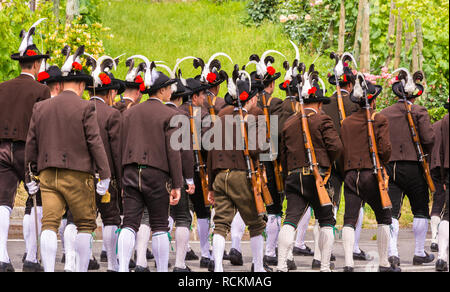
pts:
pixel 332 81
pixel 155 88
pixel 27 58
pixel 397 89
pixel 77 78
pixel 230 101
pixel 324 100
pixel 51 80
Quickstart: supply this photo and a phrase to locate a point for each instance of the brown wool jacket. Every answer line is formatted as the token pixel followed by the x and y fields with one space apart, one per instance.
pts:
pixel 64 133
pixel 325 139
pixel 332 108
pixel 233 159
pixel 286 113
pixel 17 98
pixel 435 159
pixel 444 145
pixel 403 148
pixel 355 138
pixel 110 124
pixel 146 134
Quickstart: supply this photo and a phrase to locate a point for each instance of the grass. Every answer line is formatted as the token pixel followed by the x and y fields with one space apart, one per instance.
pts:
pixel 167 31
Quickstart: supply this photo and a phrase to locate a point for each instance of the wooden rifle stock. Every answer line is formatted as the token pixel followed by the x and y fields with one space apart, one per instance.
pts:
pixel 199 163
pixel 340 102
pixel 419 149
pixel 262 183
pixel 212 112
pixel 378 170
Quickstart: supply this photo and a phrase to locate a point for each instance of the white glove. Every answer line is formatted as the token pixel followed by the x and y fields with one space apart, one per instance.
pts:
pixel 102 186
pixel 33 187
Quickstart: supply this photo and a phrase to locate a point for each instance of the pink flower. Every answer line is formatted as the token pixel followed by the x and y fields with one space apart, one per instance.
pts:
pixel 385 69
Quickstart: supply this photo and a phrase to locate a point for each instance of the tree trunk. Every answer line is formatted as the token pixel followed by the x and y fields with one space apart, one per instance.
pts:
pixel 358 29
pixel 408 41
pixel 390 39
pixel 414 53
pixel 331 35
pixel 419 43
pixel 72 10
pixel 33 5
pixel 341 42
pixel 56 9
pixel 398 43
pixel 365 44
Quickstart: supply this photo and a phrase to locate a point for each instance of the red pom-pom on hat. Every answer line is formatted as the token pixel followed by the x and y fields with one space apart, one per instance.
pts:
pixel 31 53
pixel 142 87
pixel 138 79
pixel 211 77
pixel 243 96
pixel 286 83
pixel 420 92
pixel 313 90
pixel 77 66
pixel 42 76
pixel 271 70
pixel 104 78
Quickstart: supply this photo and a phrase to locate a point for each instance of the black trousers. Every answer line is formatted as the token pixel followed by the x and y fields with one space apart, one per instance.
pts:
pixel 445 210
pixel 439 195
pixel 301 193
pixel 277 198
pixel 197 200
pixel 180 212
pixel 406 179
pixel 359 187
pixel 145 187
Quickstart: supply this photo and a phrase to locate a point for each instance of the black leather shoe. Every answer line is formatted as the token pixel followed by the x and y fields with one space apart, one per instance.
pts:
pixel 361 256
pixel 271 261
pixel 316 265
pixel 169 265
pixel 111 271
pixel 349 269
pixel 211 266
pixel 291 265
pixel 132 264
pixel 191 256
pixel 180 270
pixel 103 257
pixel 139 269
pixel 226 257
pixel 204 262
pixel 149 255
pixel 236 257
pixel 24 257
pixel 93 265
pixel 63 258
pixel 391 269
pixel 31 267
pixel 394 261
pixel 434 247
pixel 265 266
pixel 6 267
pixel 332 258
pixel 302 251
pixel 441 266
pixel 428 258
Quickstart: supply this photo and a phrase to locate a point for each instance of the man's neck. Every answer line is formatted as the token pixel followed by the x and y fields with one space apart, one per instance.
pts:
pixel 72 90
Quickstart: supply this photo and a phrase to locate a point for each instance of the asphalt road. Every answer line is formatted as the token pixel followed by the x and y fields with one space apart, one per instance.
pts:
pixel 16 249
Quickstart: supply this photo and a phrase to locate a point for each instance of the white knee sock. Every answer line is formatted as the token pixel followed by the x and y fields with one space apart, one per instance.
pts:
pixel 272 230
pixel 434 224
pixel 181 241
pixel 142 239
pixel 125 246
pixel 326 240
pixel 257 245
pixel 285 240
pixel 160 247
pixel 61 229
pixel 5 212
pixel 32 244
pixel 393 249
pixel 358 230
pixel 237 231
pixel 218 249
pixel 348 240
pixel 49 245
pixel 383 244
pixel 420 228
pixel 83 249
pixel 26 230
pixel 443 240
pixel 110 242
pixel 70 234
pixel 316 231
pixel 301 229
pixel 203 234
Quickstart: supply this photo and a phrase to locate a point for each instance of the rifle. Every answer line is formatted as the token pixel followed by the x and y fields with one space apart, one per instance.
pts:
pixel 200 166
pixel 309 147
pixel 212 112
pixel 260 208
pixel 378 170
pixel 276 165
pixel 420 154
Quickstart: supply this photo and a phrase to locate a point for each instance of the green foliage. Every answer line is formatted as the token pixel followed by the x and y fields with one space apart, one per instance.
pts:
pixel 437 113
pixel 260 10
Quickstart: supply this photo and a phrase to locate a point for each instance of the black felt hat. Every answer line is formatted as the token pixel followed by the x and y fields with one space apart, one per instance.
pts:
pixel 373 91
pixel 51 75
pixel 316 94
pixel 182 91
pixel 346 78
pixel 27 50
pixel 72 69
pixel 196 86
pixel 161 81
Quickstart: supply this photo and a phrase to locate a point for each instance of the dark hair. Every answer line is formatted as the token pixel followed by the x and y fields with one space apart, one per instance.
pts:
pixel 27 64
pixel 52 85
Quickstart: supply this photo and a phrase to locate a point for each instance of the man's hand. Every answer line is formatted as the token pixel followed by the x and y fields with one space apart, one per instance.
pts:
pixel 175 195
pixel 211 197
pixel 102 186
pixel 191 189
pixel 33 187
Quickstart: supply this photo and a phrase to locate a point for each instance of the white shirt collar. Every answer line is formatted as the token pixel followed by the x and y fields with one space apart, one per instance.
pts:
pixel 171 103
pixel 128 98
pixel 342 90
pixel 96 97
pixel 156 99
pixel 402 100
pixel 25 73
pixel 237 109
pixel 311 109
